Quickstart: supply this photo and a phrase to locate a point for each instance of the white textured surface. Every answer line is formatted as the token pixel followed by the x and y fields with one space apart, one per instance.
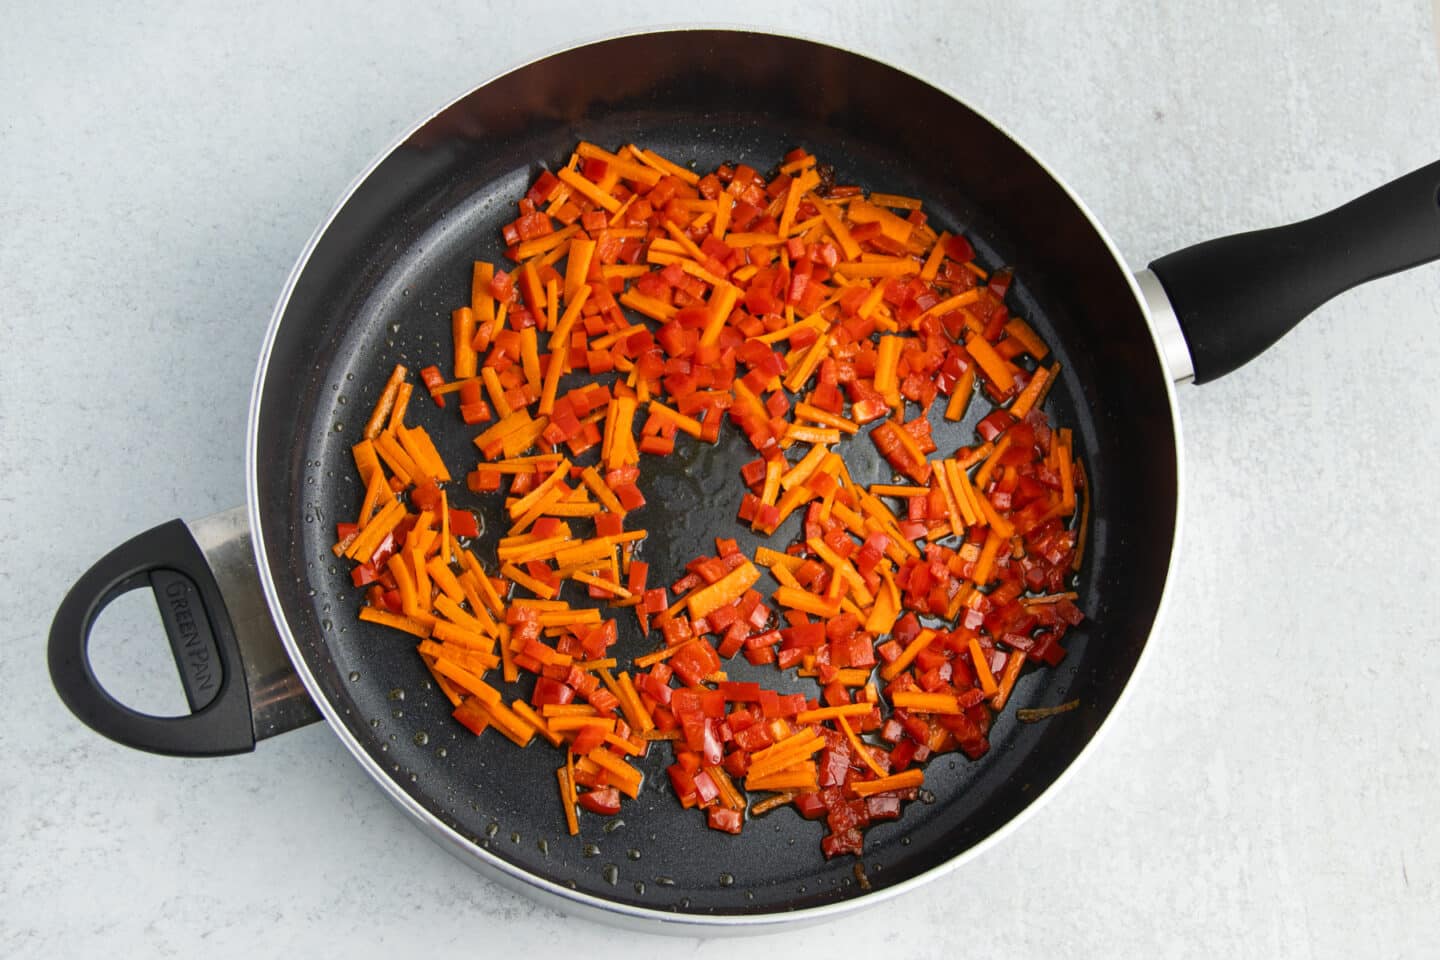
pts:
pixel 1269 790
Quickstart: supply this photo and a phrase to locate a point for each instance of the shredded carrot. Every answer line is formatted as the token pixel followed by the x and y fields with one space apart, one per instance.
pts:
pixel 771 802
pixel 385 403
pixel 729 795
pixel 926 702
pixel 1026 401
pixel 622 775
pixel 803 778
pixel 982 668
pixel 832 713
pixel 861 749
pixel 725 590
pixel 567 796
pixel 905 780
pixel 797 329
pixel 385 618
pixel 1014 663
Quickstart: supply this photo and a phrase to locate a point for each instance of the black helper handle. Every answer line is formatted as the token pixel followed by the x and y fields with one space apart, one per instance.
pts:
pixel 1237 295
pixel 169 561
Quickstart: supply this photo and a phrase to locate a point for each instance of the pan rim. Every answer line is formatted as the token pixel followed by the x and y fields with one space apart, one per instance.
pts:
pixel 548 891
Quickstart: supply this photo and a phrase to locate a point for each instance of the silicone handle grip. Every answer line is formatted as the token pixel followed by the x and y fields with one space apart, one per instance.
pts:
pixel 168 560
pixel 1237 295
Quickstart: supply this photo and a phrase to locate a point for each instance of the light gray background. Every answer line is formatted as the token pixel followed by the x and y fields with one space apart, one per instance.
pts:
pixel 1268 790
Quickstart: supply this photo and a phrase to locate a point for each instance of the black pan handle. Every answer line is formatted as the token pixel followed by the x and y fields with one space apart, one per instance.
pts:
pixel 235 690
pixel 1237 295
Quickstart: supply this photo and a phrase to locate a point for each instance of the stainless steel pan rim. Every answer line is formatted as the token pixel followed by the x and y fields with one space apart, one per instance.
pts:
pixel 557 895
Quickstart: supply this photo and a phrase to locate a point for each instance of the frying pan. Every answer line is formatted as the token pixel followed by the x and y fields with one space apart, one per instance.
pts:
pixel 261 617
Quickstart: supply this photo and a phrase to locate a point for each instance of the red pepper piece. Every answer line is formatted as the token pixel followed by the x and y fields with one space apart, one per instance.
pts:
pixel 602 800
pixel 724 819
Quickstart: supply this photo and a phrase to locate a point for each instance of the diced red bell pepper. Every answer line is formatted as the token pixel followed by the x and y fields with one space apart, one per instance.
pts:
pixel 602 800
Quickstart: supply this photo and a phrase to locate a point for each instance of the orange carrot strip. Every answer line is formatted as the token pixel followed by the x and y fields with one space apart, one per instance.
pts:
pixel 956 508
pixel 807 434
pixel 397 621
pixel 997 522
pixel 452 612
pixel 511 724
pixel 402 403
pixel 1067 474
pixel 1023 332
pixel 528 582
pixel 982 476
pixel 539 245
pixel 480 299
pixel 926 702
pixel 524 710
pixel 905 780
pixel 623 745
pixel 609 586
pixel 375 492
pixel 960 395
pixel 367 464
pixel 650 659
pixel 876 269
pixel 860 747
pixel 470 683
pixel 622 775
pixel 982 668
pixel 560 341
pixel 399 462
pixel 569 617
pixel 362 548
pixel 1026 401
pixel 686 424
pixel 907 656
pixel 764 766
pixel 462 330
pixel 525 503
pixel 969 499
pixel 985 565
pixel 727 589
pixel 416 562
pixel 887 358
pixel 416 442
pixel 657 310
pixel 897 490
pixel 937 253
pixel 729 795
pixel 838 229
pixel 842 569
pixel 588 190
pixel 883 614
pixel 652 159
pixel 1014 663
pixel 452 692
pixel 567 801
pixel 496 392
pixel 843 424
pixel 592 479
pixel 637 716
pixel 627 169
pixel 830 713
pixel 465 647
pixel 802 470
pixel 994 366
pixel 798 599
pixel 803 778
pixel 385 404
pixel 798 188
